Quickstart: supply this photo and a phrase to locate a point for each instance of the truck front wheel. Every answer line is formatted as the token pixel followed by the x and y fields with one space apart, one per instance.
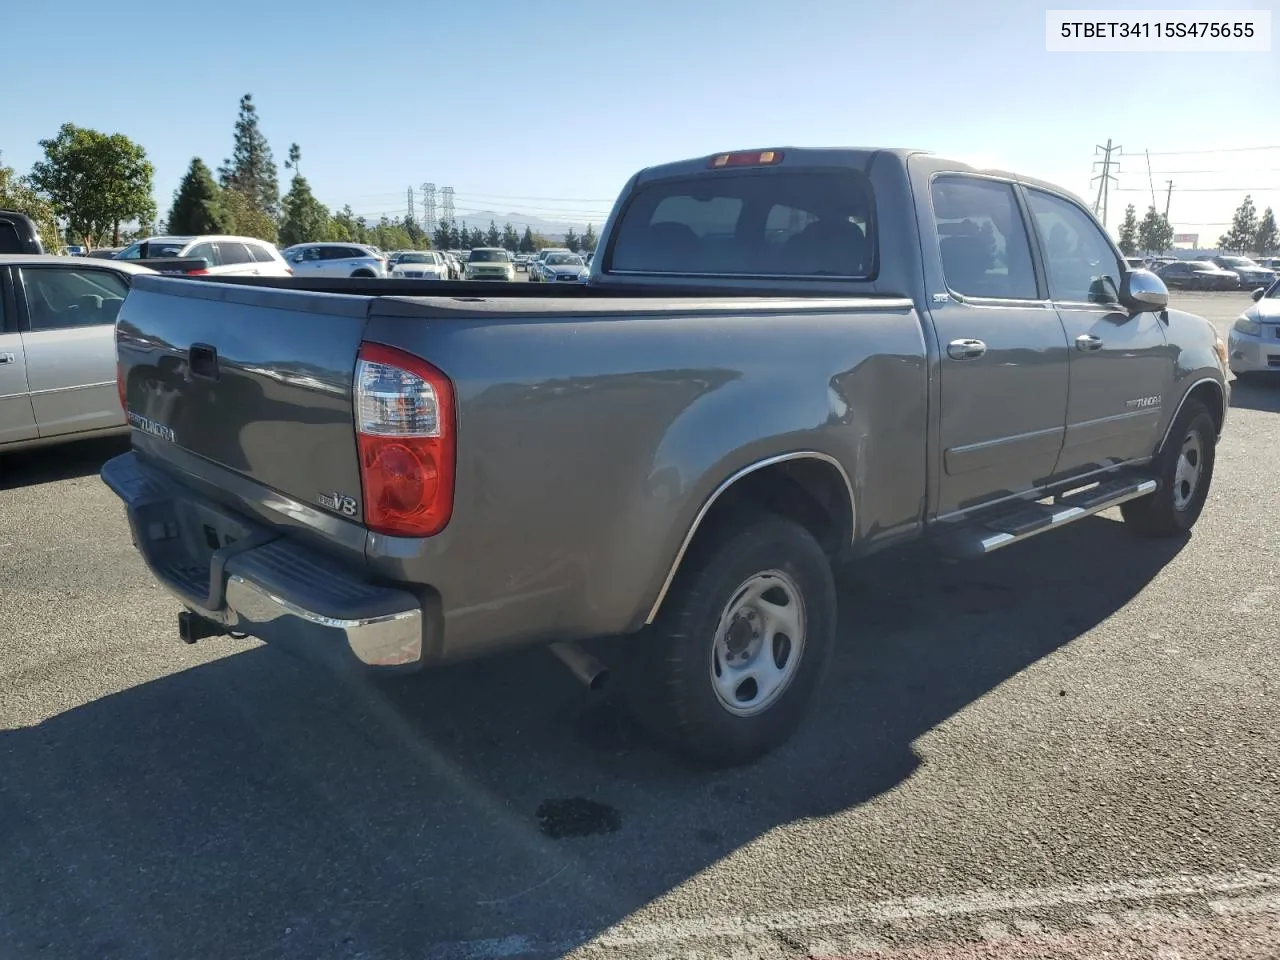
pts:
pixel 740 645
pixel 1184 468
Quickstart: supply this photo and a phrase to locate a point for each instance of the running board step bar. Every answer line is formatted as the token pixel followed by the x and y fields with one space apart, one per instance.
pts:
pixel 1025 520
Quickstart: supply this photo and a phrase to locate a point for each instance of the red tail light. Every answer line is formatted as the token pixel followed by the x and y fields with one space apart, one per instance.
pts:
pixel 197 272
pixel 120 391
pixel 405 432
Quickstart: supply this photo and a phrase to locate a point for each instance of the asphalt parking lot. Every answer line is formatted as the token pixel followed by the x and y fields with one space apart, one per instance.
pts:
pixel 1069 747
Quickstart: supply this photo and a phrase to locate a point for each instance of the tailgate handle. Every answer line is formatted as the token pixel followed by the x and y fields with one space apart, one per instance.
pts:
pixel 203 361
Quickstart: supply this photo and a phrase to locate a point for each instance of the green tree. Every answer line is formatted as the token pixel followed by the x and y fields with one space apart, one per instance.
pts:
pixel 1155 233
pixel 526 241
pixel 418 239
pixel 17 193
pixel 1244 228
pixel 443 236
pixel 342 225
pixel 295 155
pixel 304 217
pixel 492 238
pixel 510 239
pixel 247 220
pixel 1265 239
pixel 571 240
pixel 477 238
pixel 251 170
pixel 1129 232
pixel 97 181
pixel 197 203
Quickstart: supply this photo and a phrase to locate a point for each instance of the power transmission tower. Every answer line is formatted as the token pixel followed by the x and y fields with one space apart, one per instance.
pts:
pixel 1168 196
pixel 1105 178
pixel 446 204
pixel 429 221
pixel 413 217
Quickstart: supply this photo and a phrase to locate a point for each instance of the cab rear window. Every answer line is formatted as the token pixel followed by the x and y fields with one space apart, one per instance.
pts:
pixel 761 223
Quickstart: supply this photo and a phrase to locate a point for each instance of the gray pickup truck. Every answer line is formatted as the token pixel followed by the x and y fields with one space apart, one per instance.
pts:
pixel 782 359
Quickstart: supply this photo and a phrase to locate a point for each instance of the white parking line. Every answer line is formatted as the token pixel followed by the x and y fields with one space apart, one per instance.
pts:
pixel 1256 893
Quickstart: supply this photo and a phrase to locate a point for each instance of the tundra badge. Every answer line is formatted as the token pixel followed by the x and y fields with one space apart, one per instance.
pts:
pixel 1143 402
pixel 340 502
pixel 153 427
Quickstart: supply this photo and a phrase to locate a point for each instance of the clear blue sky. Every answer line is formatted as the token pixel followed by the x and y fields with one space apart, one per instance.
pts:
pixel 546 108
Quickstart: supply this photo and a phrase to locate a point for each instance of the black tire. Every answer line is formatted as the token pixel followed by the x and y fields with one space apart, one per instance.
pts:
pixel 364 274
pixel 671 683
pixel 1174 508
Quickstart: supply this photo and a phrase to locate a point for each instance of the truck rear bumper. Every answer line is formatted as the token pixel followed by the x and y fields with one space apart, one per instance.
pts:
pixel 251 579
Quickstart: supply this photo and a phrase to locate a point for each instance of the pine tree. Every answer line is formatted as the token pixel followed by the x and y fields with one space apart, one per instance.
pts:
pixel 571 240
pixel 443 236
pixel 1265 239
pixel 1244 229
pixel 1129 232
pixel 251 170
pixel 526 241
pixel 492 237
pixel 305 218
pixel 197 203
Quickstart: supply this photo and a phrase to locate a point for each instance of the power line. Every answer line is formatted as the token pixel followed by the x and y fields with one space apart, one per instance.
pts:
pixel 1206 189
pixel 1183 153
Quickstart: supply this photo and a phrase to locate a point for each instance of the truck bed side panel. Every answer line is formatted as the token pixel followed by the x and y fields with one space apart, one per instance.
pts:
pixel 587 446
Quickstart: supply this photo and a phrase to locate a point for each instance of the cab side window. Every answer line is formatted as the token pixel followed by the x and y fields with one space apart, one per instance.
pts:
pixel 1081 263
pixel 982 238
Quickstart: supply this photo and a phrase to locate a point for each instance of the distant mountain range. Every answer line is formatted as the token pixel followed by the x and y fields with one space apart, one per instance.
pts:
pixel 548 228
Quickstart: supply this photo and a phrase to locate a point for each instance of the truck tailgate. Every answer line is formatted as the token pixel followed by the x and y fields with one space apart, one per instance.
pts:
pixel 258 381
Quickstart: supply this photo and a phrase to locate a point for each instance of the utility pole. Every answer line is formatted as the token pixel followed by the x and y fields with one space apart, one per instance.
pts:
pixel 429 221
pixel 1105 178
pixel 1150 183
pixel 1168 195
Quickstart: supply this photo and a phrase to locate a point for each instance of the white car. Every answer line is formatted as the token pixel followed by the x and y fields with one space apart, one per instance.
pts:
pixel 490 263
pixel 535 265
pixel 420 265
pixel 335 260
pixel 1253 346
pixel 563 268
pixel 225 255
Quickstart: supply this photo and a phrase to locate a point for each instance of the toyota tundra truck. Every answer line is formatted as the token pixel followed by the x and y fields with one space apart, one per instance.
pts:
pixel 783 359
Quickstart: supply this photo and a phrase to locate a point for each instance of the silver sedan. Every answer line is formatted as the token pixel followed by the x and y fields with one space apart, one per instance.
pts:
pixel 58 348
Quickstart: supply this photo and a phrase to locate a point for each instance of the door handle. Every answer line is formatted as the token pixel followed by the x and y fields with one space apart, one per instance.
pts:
pixel 1087 341
pixel 6 358
pixel 966 349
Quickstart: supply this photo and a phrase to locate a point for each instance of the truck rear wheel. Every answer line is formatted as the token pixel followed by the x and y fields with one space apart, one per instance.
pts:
pixel 1184 469
pixel 741 643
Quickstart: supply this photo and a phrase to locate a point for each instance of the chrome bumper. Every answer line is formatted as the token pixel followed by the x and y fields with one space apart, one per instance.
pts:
pixel 258 582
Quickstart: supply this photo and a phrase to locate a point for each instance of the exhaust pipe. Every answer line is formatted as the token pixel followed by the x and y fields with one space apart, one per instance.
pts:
pixel 193 627
pixel 582 665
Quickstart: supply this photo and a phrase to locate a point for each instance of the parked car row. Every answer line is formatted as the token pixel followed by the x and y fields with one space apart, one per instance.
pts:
pixel 1226 272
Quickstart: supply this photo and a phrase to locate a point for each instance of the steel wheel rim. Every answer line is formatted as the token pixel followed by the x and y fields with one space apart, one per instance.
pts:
pixel 1187 471
pixel 759 643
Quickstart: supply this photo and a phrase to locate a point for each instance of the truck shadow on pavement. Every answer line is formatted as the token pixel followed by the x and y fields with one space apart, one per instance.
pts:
pixel 273 804
pixel 83 458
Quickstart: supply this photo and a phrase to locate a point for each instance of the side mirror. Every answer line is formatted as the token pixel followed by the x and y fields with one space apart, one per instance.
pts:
pixel 1142 291
pixel 1257 294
